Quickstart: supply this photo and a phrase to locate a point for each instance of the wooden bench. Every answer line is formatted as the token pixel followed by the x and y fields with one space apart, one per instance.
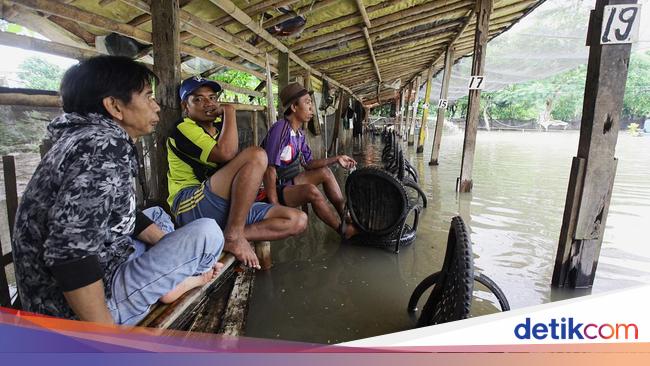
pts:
pixel 218 307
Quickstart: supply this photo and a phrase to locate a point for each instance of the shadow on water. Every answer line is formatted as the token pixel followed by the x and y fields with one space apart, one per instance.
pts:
pixel 320 290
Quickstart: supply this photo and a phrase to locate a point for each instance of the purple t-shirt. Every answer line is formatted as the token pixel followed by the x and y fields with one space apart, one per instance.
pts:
pixel 282 144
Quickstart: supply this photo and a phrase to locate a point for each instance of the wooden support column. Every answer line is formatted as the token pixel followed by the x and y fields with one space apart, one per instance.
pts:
pixel 440 118
pixel 343 103
pixel 594 168
pixel 167 65
pixel 314 124
pixel 408 106
pixel 425 112
pixel 270 106
pixel 414 114
pixel 399 105
pixel 283 77
pixel 483 10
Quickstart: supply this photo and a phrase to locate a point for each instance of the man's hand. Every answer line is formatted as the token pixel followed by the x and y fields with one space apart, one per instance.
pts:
pixel 346 161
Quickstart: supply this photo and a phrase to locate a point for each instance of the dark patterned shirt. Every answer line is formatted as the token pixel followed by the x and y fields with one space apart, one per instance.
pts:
pixel 78 210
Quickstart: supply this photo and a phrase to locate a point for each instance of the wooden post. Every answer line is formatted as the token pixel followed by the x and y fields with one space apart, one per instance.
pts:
pixel 483 10
pixel 263 252
pixel 256 139
pixel 425 112
pixel 409 108
pixel 440 118
pixel 343 103
pixel 314 123
pixel 11 190
pixel 283 76
pixel 270 106
pixel 593 170
pixel 414 115
pixel 167 65
pixel 400 112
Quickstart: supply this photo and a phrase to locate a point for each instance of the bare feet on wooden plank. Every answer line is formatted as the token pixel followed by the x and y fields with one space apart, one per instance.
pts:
pixel 192 282
pixel 242 250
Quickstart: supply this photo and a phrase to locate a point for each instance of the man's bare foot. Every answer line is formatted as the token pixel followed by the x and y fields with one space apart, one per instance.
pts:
pixel 190 283
pixel 350 231
pixel 242 250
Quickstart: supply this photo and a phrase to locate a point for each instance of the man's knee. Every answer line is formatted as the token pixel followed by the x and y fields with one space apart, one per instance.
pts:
pixel 207 232
pixel 325 173
pixel 300 219
pixel 256 155
pixel 313 194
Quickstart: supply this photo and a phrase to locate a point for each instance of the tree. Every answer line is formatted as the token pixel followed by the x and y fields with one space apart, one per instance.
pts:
pixel 37 73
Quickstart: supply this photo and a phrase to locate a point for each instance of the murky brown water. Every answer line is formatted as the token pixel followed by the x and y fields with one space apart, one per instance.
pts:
pixel 322 291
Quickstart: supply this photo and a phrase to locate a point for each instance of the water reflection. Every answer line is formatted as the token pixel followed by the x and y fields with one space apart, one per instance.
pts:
pixel 322 291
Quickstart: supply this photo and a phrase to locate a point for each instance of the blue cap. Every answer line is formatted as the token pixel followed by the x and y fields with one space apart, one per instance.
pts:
pixel 189 85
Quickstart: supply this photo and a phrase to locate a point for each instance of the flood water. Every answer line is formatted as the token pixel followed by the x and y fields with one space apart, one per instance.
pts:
pixel 320 290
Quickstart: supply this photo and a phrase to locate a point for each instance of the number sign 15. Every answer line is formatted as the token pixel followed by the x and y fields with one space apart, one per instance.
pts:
pixel 476 82
pixel 442 103
pixel 620 24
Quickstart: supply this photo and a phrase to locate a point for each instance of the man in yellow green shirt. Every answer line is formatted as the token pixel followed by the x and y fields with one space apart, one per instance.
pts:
pixel 209 178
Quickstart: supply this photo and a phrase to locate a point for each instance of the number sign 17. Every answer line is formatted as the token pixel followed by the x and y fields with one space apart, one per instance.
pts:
pixel 476 82
pixel 620 24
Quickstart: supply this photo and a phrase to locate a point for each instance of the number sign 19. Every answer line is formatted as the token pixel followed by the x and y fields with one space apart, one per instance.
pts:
pixel 620 24
pixel 476 82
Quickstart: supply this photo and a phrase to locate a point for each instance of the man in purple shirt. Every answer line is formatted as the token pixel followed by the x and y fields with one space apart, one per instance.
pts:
pixel 288 151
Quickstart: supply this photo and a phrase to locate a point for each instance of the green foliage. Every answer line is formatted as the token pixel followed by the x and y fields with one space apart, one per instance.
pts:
pixel 242 80
pixel 564 94
pixel 37 73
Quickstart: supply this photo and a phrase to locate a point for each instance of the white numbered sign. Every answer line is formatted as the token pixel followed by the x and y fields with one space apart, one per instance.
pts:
pixel 442 103
pixel 476 82
pixel 620 24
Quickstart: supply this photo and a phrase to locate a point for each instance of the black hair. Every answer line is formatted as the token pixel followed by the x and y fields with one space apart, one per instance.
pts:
pixel 86 84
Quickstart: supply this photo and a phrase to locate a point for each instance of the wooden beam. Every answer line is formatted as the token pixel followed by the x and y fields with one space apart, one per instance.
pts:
pixel 372 53
pixel 414 115
pixel 483 11
pixel 594 168
pixel 343 103
pixel 73 13
pixel 270 106
pixel 364 15
pixel 230 8
pixel 53 48
pixel 314 123
pixel 167 65
pixel 383 26
pixel 283 77
pixel 425 112
pixel 440 118
pixel 53 101
pixel 234 320
pixel 409 108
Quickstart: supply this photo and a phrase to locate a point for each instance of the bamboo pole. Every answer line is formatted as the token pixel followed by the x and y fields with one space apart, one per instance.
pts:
pixel 364 14
pixel 372 54
pixel 425 112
